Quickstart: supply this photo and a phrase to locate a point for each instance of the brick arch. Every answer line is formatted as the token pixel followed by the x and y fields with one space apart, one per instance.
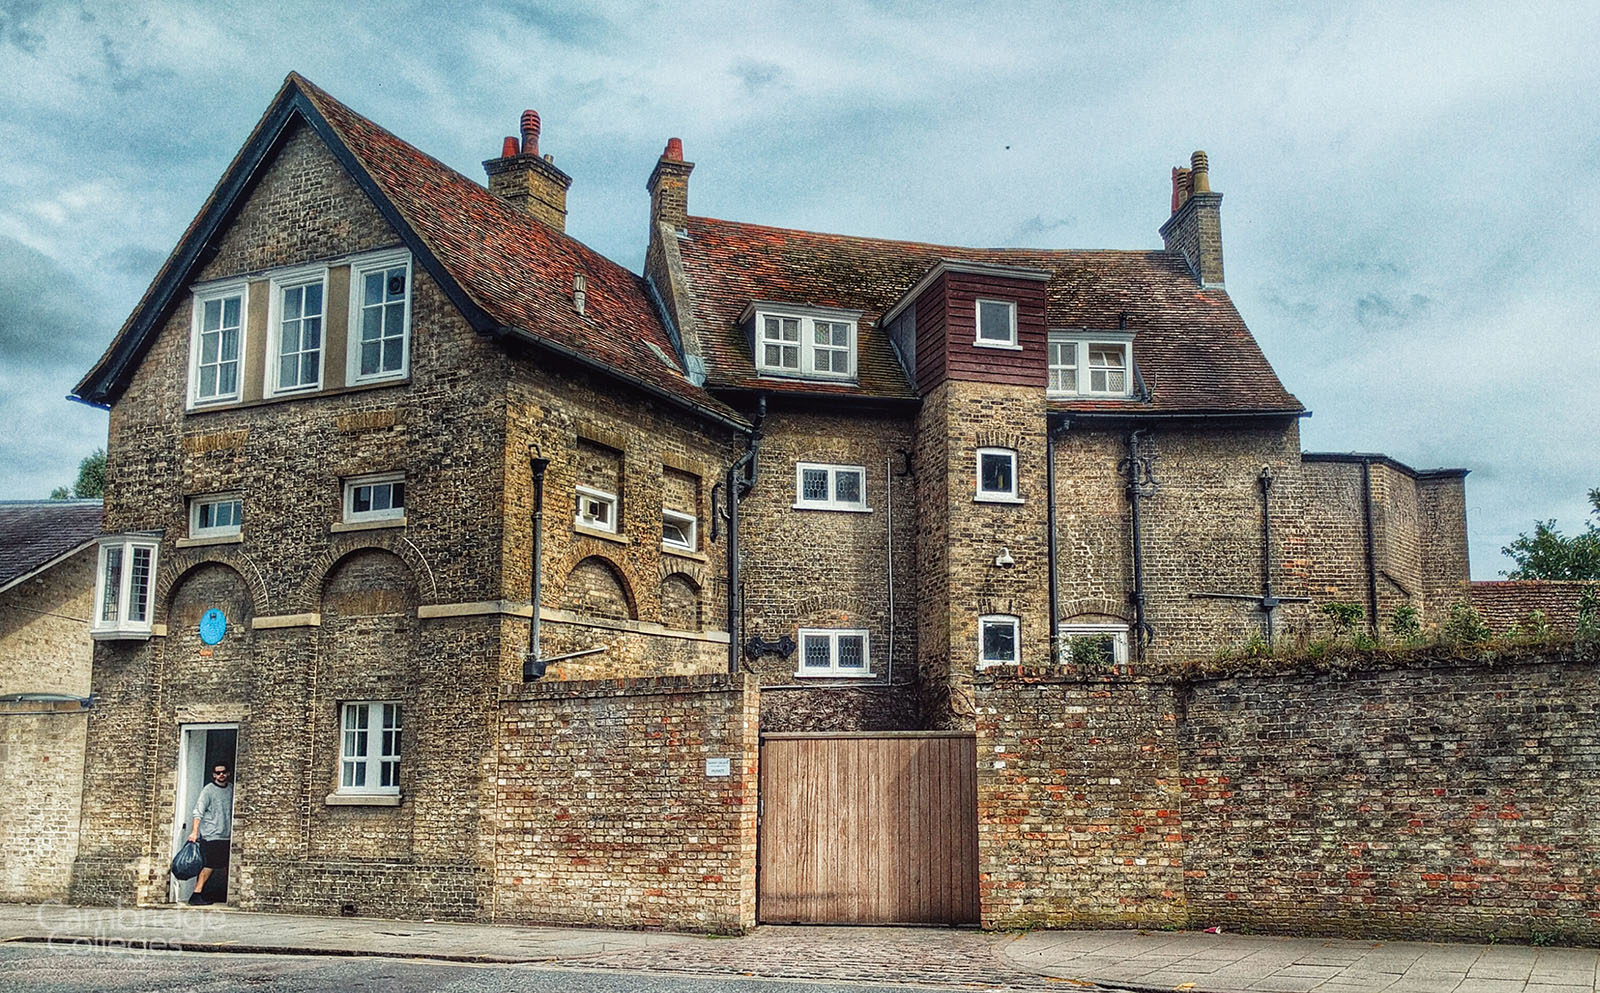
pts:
pixel 682 602
pixel 383 583
pixel 597 587
pixel 1096 605
pixel 180 564
pixel 310 593
pixel 831 602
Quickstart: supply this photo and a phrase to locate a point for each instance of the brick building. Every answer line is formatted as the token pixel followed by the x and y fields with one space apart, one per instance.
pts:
pixel 858 469
pixel 47 563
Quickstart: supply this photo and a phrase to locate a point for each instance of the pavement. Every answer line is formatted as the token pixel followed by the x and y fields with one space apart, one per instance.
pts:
pixel 961 958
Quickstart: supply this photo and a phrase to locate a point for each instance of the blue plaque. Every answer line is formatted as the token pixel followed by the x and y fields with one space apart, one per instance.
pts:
pixel 213 626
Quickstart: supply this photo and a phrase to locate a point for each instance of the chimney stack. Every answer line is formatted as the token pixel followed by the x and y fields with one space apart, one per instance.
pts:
pixel 527 181
pixel 669 187
pixel 1195 227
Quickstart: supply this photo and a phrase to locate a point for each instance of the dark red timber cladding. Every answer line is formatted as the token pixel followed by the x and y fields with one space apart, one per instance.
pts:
pixel 975 363
pixel 932 362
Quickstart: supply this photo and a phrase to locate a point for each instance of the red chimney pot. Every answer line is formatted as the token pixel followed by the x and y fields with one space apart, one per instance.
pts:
pixel 530 132
pixel 674 150
pixel 509 148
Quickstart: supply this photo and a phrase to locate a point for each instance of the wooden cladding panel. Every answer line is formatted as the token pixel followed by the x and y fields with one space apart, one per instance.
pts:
pixel 968 361
pixel 930 336
pixel 869 830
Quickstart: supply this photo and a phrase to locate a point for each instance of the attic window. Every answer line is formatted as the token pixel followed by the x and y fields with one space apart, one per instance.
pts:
pixel 804 343
pixel 1095 365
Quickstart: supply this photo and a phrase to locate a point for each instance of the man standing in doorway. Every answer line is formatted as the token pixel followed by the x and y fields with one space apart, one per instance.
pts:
pixel 213 827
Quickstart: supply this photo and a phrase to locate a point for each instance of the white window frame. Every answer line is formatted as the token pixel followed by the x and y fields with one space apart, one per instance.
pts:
pixel 981 495
pixel 685 522
pixel 391 513
pixel 124 622
pixel 977 324
pixel 807 345
pixel 359 269
pixel 609 499
pixel 372 758
pixel 201 297
pixel 834 671
pixel 1010 620
pixel 281 283
pixel 832 502
pixel 1081 345
pixel 1066 632
pixel 197 503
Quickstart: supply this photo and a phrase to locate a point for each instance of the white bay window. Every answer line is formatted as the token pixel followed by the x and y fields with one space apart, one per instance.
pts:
pixel 124 586
pixel 1097 366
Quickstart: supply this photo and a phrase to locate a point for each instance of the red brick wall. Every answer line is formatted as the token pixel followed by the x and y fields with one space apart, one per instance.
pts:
pixel 1503 604
pixel 604 812
pixel 1444 799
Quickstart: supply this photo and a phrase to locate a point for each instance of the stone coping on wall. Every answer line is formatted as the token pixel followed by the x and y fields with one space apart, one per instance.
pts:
pixel 1336 662
pixel 716 682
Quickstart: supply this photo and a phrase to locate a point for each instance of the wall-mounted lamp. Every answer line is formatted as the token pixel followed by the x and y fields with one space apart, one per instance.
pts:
pixel 1004 559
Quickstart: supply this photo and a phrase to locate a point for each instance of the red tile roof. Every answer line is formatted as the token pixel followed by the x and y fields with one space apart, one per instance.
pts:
pixel 1191 346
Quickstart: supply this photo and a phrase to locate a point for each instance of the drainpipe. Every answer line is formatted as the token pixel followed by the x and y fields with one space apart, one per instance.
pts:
pixel 533 666
pixel 1136 468
pixel 741 479
pixel 1269 603
pixel 1050 430
pixel 1371 548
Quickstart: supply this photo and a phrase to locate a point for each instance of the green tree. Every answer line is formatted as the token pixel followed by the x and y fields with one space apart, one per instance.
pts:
pixel 91 478
pixel 1549 554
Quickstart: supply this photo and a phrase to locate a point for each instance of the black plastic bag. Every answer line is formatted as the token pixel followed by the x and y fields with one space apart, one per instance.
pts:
pixel 188 862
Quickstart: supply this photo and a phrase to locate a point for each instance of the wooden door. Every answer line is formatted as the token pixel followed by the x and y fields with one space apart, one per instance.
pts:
pixel 869 828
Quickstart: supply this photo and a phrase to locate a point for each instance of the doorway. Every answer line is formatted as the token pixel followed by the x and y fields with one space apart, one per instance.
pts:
pixel 201 747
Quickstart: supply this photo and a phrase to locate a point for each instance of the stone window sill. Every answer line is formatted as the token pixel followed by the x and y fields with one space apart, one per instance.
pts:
pixel 339 527
pixel 998 499
pixel 683 553
pixel 225 539
pixel 362 800
pixel 620 539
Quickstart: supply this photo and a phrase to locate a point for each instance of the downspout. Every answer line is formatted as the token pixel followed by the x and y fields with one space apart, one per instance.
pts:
pixel 533 666
pixel 888 485
pixel 1050 523
pixel 741 478
pixel 1143 632
pixel 1269 603
pixel 1371 547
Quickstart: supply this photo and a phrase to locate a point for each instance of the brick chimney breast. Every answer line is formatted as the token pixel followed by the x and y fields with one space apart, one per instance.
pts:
pixel 1195 228
pixel 527 181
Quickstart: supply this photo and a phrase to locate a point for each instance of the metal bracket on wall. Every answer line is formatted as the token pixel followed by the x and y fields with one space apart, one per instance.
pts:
pixel 758 646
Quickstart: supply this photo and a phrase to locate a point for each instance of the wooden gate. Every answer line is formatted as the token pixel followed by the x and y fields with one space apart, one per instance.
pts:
pixel 869 828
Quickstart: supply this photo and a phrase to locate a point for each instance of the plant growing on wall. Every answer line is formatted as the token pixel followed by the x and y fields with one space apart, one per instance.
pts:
pixel 1465 626
pixel 1406 624
pixel 1588 633
pixel 1344 616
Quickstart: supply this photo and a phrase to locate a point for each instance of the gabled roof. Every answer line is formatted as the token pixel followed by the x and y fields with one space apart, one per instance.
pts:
pixel 509 274
pixel 1191 346
pixel 38 533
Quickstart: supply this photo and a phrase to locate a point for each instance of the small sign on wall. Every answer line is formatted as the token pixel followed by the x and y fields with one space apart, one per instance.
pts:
pixel 719 767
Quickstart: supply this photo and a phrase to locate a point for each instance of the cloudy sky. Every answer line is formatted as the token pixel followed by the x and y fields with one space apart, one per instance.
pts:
pixel 1412 212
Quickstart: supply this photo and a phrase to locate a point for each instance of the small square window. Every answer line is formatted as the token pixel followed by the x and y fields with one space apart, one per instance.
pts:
pixel 217 516
pixel 999 640
pixel 597 510
pixel 123 585
pixel 996 323
pixel 997 476
pixel 375 498
pixel 678 530
pixel 830 487
pixel 834 652
pixel 369 748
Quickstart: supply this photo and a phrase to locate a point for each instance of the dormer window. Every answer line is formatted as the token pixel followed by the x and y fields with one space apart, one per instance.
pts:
pixel 1095 366
pixel 806 343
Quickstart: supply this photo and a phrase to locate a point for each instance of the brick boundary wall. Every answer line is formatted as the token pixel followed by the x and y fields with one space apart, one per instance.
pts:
pixel 1503 603
pixel 606 813
pixel 1437 798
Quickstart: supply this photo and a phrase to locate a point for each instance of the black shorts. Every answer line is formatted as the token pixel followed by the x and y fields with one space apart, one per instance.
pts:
pixel 215 853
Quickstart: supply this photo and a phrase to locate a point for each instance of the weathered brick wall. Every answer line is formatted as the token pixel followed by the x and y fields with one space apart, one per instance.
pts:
pixel 1440 798
pixel 44 648
pixel 1079 801
pixel 823 568
pixel 1509 602
pixel 604 813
